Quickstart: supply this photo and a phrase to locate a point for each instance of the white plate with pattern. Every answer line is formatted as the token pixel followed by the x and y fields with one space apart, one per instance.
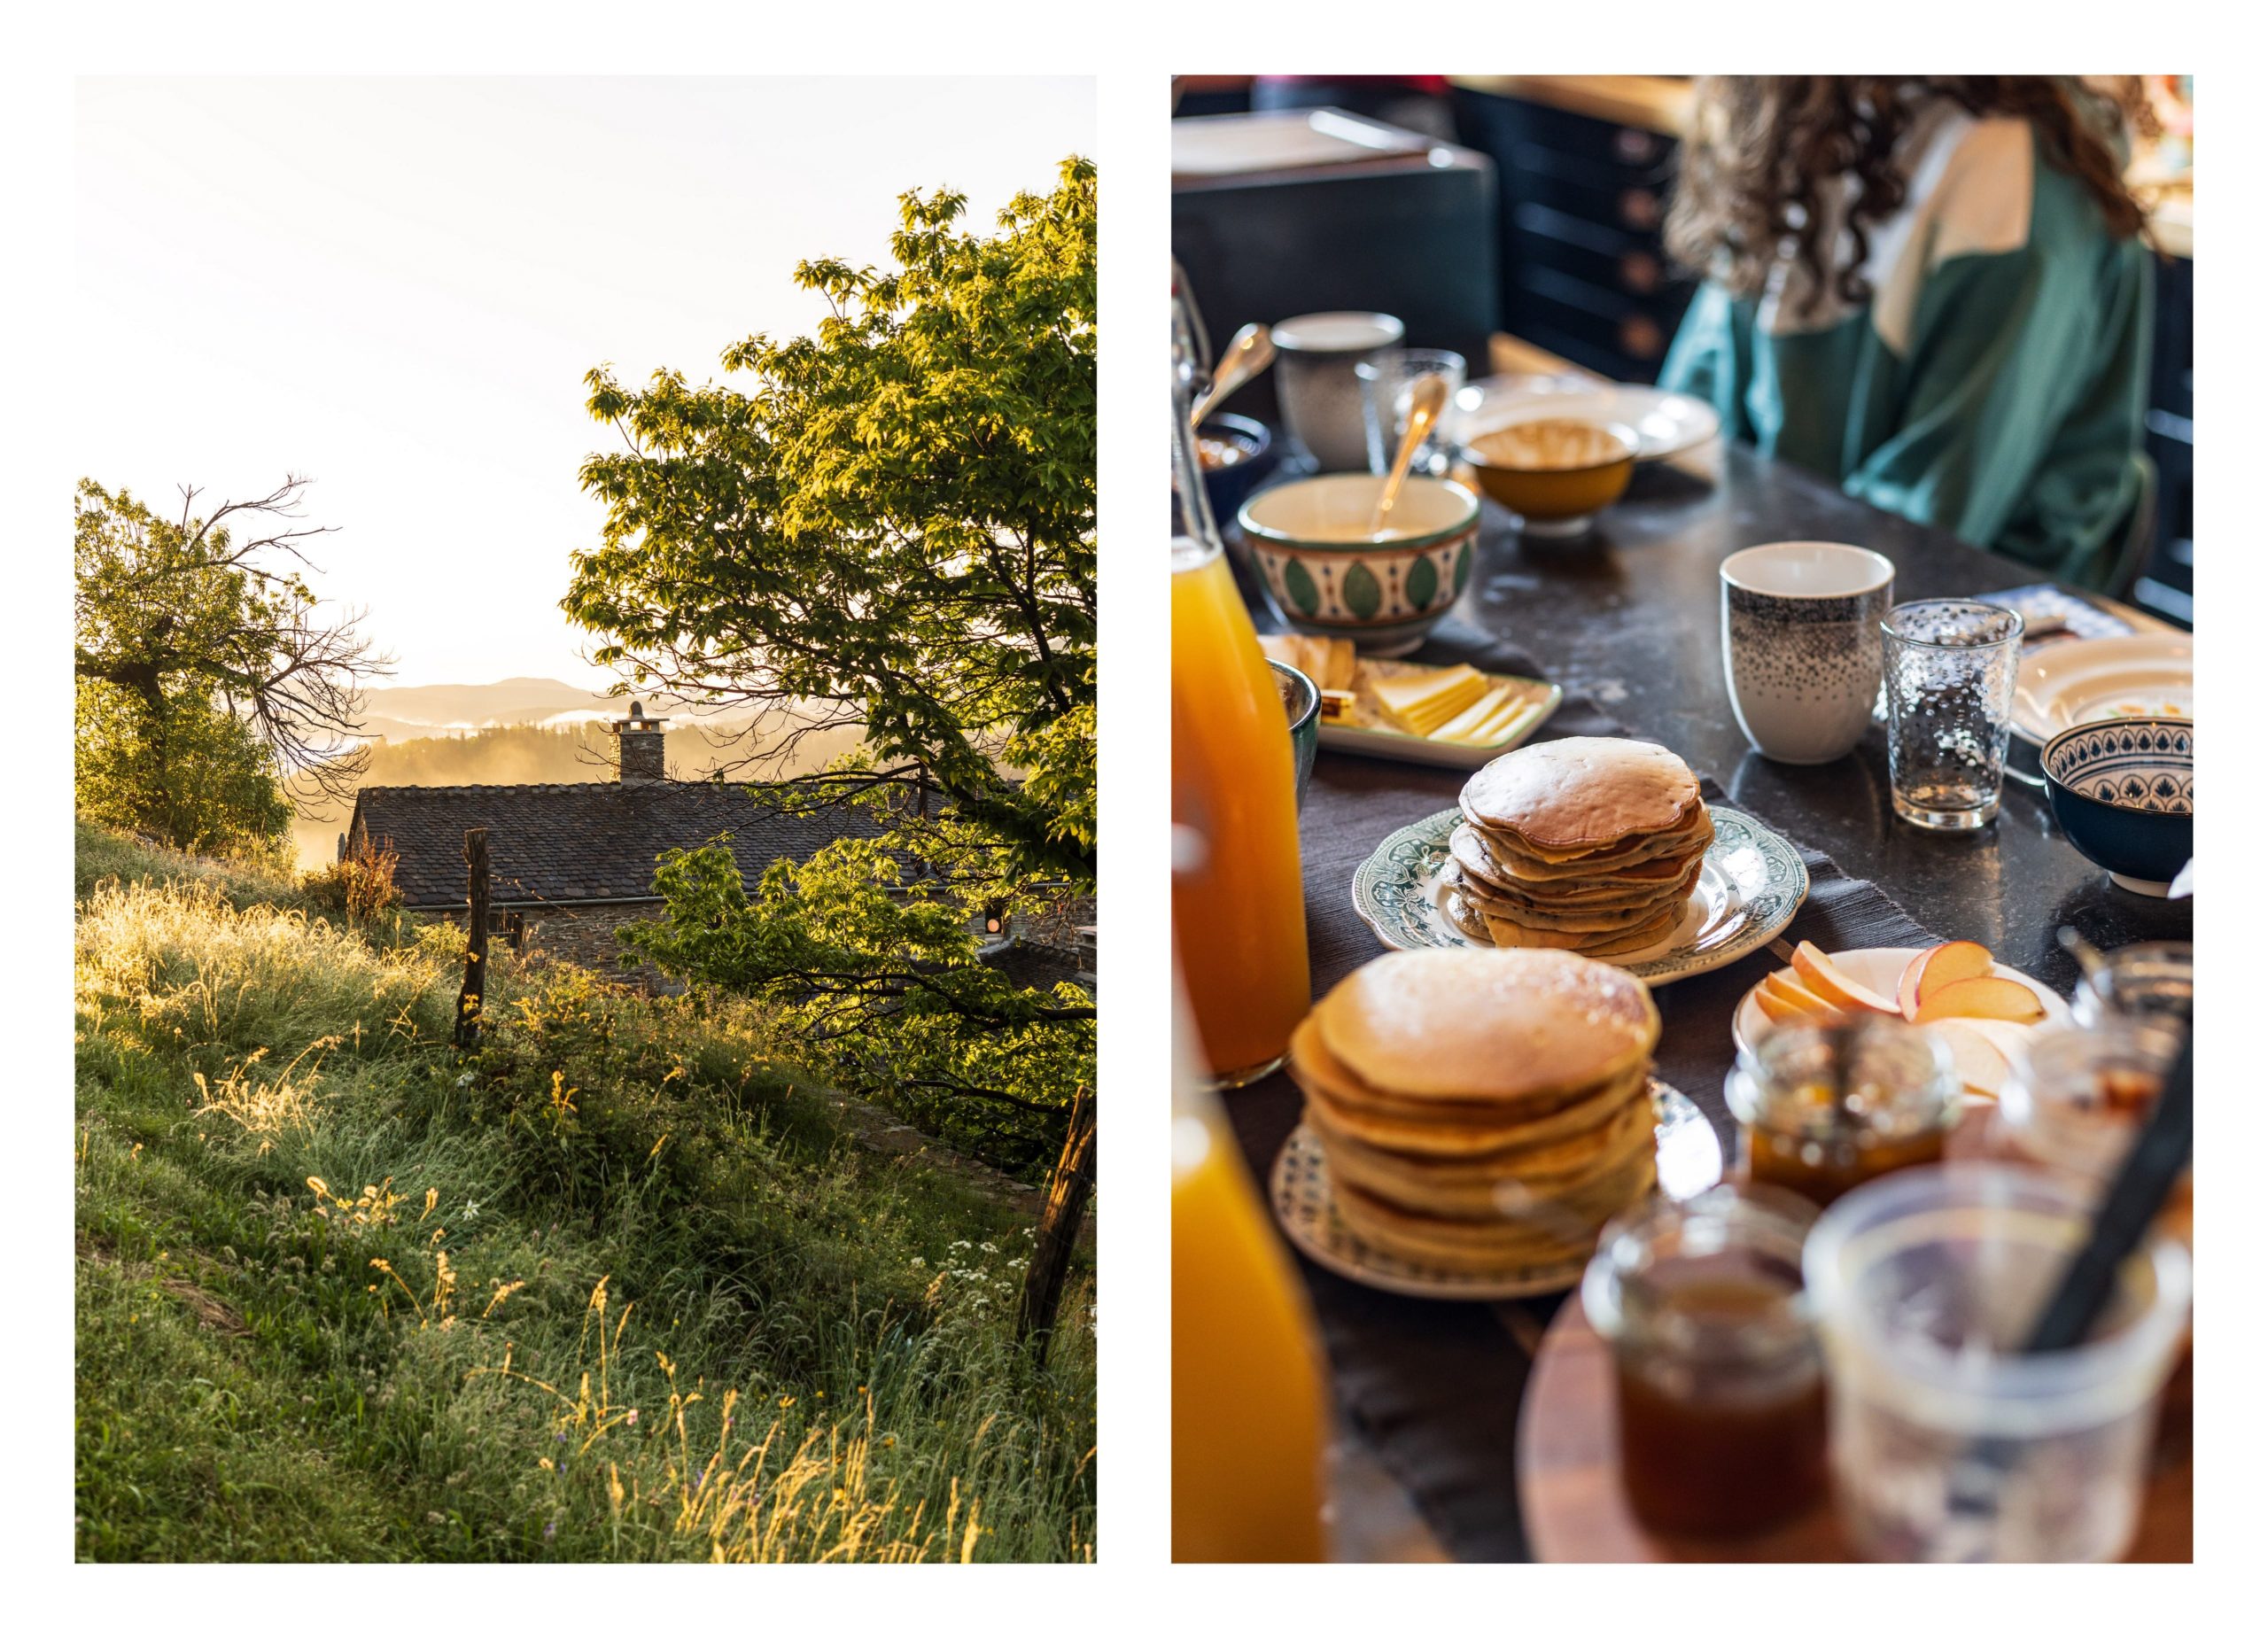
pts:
pixel 1753 883
pixel 1687 1160
pixel 2061 685
pixel 1667 423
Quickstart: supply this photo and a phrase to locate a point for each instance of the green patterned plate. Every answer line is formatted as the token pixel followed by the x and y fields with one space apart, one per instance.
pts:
pixel 1753 883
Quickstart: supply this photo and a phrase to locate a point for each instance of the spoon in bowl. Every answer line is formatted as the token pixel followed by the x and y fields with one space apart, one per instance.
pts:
pixel 1249 352
pixel 1428 397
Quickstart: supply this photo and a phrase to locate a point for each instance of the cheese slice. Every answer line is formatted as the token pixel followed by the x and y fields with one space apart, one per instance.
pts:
pixel 1424 701
pixel 1516 715
pixel 1467 723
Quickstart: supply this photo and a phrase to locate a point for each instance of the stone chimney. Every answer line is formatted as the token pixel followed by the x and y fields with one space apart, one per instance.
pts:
pixel 639 760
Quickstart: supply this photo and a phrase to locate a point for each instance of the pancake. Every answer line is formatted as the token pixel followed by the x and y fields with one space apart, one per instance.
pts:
pixel 1559 1235
pixel 1473 920
pixel 1559 1167
pixel 1510 854
pixel 1511 1026
pixel 1474 1142
pixel 1321 1075
pixel 1469 848
pixel 1565 798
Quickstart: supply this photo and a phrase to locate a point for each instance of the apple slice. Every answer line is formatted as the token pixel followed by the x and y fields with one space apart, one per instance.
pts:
pixel 1833 985
pixel 1792 992
pixel 1931 970
pixel 1977 1057
pixel 1982 997
pixel 1780 1010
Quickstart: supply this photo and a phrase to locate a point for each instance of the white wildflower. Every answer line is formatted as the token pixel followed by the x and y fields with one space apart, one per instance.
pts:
pixel 919 1262
pixel 988 1248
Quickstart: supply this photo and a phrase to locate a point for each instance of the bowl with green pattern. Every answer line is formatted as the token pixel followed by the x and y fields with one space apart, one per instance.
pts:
pixel 1330 574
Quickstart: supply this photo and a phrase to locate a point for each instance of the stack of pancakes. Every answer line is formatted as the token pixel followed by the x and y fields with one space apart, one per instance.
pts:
pixel 1481 1111
pixel 1592 845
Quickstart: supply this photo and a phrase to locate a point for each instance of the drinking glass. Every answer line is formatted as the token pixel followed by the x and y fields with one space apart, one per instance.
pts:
pixel 1387 378
pixel 2150 984
pixel 1947 1444
pixel 1949 669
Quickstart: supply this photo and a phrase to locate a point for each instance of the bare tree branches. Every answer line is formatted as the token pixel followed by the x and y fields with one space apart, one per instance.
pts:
pixel 214 611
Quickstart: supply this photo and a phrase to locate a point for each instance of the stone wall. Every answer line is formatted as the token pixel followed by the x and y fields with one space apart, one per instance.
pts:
pixel 583 934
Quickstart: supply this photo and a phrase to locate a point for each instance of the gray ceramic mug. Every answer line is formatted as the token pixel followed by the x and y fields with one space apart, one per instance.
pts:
pixel 1315 383
pixel 1803 650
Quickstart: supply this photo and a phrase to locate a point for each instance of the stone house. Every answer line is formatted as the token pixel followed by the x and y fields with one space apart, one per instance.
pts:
pixel 575 861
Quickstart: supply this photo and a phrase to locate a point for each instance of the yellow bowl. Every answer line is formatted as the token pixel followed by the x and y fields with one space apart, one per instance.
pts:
pixel 1556 473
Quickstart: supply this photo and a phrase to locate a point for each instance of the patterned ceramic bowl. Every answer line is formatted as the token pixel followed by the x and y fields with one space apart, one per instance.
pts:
pixel 1329 576
pixel 2124 791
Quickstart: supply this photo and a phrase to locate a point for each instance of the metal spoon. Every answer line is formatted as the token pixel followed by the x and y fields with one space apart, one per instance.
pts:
pixel 2090 960
pixel 1249 352
pixel 1428 397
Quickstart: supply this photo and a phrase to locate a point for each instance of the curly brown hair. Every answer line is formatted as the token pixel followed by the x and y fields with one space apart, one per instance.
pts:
pixel 1764 147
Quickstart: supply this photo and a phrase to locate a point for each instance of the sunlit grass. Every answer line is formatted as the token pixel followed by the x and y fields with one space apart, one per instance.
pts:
pixel 614 1288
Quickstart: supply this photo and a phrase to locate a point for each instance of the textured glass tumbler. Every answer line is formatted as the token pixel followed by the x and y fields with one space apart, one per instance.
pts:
pixel 1387 378
pixel 1949 669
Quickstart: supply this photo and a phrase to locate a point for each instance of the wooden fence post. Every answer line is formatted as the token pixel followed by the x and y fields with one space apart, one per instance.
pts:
pixel 476 949
pixel 1067 1189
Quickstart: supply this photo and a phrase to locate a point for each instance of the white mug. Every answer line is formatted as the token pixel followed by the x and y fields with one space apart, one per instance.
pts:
pixel 1802 624
pixel 1315 385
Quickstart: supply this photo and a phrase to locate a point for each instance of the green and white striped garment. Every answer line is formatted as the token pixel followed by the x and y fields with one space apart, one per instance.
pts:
pixel 1994 385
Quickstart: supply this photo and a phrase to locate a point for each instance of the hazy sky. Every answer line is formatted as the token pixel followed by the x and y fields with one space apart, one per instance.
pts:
pixel 395 286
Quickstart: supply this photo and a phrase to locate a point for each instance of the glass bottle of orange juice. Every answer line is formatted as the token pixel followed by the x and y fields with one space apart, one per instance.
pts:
pixel 1248 1407
pixel 1238 903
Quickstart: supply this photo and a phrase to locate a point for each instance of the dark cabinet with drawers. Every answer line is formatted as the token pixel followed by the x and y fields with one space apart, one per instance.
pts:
pixel 1580 204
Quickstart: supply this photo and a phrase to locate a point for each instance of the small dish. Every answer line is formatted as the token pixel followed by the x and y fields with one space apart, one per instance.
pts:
pixel 1667 423
pixel 1687 1159
pixel 1980 1046
pixel 2124 794
pixel 1329 576
pixel 1753 883
pixel 1243 455
pixel 1303 709
pixel 1556 473
pixel 1368 734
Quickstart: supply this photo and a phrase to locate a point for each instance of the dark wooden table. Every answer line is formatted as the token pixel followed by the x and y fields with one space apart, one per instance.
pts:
pixel 1629 617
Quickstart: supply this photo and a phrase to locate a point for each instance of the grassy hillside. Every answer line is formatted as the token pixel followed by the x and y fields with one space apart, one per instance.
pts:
pixel 612 1288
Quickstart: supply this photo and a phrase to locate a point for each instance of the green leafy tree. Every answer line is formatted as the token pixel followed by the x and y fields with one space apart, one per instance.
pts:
pixel 888 528
pixel 214 692
pixel 219 795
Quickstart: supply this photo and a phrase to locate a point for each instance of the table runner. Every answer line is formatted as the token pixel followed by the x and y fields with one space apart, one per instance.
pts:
pixel 1435 1388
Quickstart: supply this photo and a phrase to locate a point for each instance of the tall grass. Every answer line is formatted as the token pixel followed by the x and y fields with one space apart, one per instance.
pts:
pixel 613 1286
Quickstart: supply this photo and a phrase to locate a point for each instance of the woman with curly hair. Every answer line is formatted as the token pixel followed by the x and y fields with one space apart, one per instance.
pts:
pixel 1936 290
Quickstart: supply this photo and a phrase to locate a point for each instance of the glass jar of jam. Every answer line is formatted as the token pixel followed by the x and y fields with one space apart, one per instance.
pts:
pixel 1823 1107
pixel 1720 1397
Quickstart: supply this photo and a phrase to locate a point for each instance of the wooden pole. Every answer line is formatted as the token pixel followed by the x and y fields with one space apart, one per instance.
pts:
pixel 1059 1228
pixel 476 949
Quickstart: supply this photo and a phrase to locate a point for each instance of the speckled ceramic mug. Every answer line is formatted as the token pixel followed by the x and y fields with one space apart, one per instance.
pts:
pixel 1803 655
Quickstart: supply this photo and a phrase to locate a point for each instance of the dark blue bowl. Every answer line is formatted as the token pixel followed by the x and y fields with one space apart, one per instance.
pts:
pixel 2125 793
pixel 1226 487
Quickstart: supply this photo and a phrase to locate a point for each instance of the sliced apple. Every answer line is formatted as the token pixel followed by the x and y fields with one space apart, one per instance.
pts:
pixel 1778 1009
pixel 1835 986
pixel 1977 1057
pixel 1793 992
pixel 1931 970
pixel 1981 998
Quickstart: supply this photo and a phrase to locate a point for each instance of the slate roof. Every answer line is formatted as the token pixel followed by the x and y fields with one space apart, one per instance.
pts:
pixel 561 845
